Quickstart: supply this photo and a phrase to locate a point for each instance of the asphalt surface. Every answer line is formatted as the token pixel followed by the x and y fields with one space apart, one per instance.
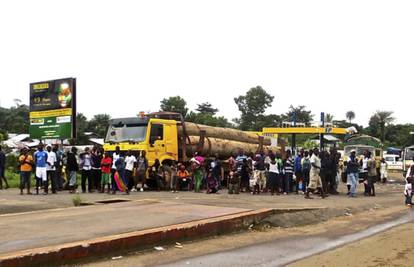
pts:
pixel 59 226
pixel 36 220
pixel 282 252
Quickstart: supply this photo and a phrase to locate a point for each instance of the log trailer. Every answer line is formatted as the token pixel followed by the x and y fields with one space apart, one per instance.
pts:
pixel 167 137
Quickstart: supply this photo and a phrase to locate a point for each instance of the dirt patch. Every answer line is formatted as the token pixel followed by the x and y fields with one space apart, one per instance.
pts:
pixel 389 248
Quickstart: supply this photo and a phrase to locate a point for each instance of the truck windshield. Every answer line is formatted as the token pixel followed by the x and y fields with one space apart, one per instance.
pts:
pixel 126 133
pixel 409 153
pixel 359 150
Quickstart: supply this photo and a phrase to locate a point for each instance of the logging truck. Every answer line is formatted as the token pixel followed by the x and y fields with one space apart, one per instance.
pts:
pixel 167 137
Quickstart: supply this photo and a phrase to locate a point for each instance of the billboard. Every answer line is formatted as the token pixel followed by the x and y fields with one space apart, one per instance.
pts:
pixel 53 109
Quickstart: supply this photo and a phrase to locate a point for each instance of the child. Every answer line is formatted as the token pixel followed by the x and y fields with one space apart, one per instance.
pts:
pixel 408 191
pixel 212 186
pixel 106 164
pixel 183 177
pixel 383 170
pixel 233 182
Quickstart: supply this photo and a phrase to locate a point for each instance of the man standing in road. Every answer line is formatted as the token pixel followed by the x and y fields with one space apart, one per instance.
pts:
pixel 115 157
pixel 372 174
pixel 41 173
pixel 315 179
pixel 141 175
pixel 352 170
pixel 26 162
pixel 71 168
pixel 130 161
pixel 298 171
pixel 51 170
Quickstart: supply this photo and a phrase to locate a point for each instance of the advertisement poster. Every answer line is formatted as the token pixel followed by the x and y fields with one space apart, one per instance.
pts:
pixel 53 109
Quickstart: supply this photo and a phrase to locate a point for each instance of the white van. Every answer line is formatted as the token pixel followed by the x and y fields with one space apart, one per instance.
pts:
pixel 394 162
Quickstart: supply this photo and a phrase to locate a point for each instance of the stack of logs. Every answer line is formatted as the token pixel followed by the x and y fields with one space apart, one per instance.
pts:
pixel 221 141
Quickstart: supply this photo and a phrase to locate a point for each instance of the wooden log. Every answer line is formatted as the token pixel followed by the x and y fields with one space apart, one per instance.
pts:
pixel 223 147
pixel 194 129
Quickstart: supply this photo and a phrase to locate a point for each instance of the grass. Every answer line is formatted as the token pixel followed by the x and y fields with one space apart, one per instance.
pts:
pixel 13 179
pixel 76 200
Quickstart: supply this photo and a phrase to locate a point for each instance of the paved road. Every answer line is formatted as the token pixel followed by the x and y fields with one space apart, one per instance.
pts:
pixel 12 202
pixel 51 227
pixel 282 252
pixel 390 248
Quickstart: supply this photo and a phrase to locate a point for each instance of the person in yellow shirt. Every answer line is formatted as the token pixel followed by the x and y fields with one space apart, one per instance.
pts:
pixel 26 167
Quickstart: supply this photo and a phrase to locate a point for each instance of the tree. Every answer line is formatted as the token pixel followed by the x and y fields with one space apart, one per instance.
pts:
pixel 350 115
pixel 399 135
pixel 302 115
pixel 15 119
pixel 329 117
pixel 381 119
pixel 81 128
pixel 208 119
pixel 99 124
pixel 206 108
pixel 174 104
pixel 251 105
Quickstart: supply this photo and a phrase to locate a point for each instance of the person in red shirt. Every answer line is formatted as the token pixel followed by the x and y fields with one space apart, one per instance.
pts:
pixel 106 164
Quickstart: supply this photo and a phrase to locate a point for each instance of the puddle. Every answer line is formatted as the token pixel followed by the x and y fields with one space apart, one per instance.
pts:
pixel 111 201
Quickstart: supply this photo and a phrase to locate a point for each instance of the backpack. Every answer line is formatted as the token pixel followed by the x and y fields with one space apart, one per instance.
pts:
pixel 306 164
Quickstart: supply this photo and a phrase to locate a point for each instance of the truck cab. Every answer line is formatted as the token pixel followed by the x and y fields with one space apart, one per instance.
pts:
pixel 157 137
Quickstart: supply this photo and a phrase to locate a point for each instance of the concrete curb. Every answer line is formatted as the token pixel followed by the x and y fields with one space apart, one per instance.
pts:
pixel 103 246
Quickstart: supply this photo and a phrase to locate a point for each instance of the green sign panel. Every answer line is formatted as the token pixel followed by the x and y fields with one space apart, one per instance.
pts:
pixel 53 109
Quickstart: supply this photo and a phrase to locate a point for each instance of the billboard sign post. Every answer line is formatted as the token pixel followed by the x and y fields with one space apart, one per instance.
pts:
pixel 53 109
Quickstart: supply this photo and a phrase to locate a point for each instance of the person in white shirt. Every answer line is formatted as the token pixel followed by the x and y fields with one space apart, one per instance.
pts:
pixel 51 170
pixel 86 166
pixel 315 181
pixel 384 170
pixel 130 161
pixel 115 157
pixel 274 174
pixel 408 191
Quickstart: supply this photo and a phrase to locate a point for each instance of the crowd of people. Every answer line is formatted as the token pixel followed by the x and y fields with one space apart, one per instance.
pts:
pixel 309 173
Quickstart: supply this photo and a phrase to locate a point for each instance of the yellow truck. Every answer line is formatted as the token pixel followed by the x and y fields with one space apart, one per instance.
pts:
pixel 167 137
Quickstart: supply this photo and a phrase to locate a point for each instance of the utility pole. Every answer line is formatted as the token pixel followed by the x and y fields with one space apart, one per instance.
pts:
pixel 321 145
pixel 294 119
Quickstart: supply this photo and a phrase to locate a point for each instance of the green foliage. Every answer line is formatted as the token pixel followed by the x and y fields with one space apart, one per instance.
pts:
pixel 99 124
pixel 208 119
pixel 12 162
pixel 262 121
pixel 206 108
pixel 378 121
pixel 251 105
pixel 13 178
pixel 14 119
pixel 81 128
pixel 329 117
pixel 174 104
pixel 302 115
pixel 399 135
pixel 309 144
pixel 76 200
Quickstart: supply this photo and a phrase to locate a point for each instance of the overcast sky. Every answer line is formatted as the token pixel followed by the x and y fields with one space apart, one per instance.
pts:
pixel 331 56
